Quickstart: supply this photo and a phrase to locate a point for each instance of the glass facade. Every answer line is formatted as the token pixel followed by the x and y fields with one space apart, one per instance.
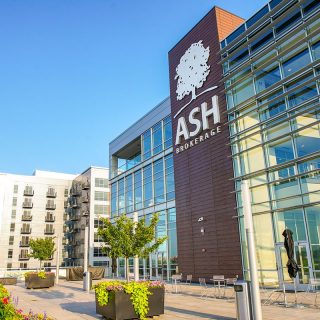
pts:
pixel 148 187
pixel 271 74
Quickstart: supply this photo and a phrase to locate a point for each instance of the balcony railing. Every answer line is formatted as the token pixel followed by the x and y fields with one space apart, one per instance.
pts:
pixel 28 192
pixel 75 192
pixel 50 206
pixel 24 244
pixel 23 257
pixel 74 203
pixel 86 185
pixel 50 219
pixel 51 194
pixel 85 212
pixel 27 204
pixel 74 217
pixel 25 230
pixel 48 231
pixel 85 199
pixel 26 218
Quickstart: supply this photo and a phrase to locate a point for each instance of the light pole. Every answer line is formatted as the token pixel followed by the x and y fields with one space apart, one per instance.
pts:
pixel 248 224
pixel 86 275
pixel 57 259
pixel 136 258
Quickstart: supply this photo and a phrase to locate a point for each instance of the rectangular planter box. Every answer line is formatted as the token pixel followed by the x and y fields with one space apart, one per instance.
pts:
pixel 8 280
pixel 34 282
pixel 120 307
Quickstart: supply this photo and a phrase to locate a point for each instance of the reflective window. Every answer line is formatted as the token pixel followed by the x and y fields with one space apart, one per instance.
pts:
pixel 167 132
pixel 308 141
pixel 243 91
pixel 157 138
pixel 114 202
pixel 146 144
pixel 287 20
pixel 238 57
pixel 147 186
pixel 316 51
pixel 129 194
pixel 280 151
pixel 266 77
pixel 261 40
pixel 169 177
pixel 137 190
pixel 290 219
pixel 121 198
pixel 310 5
pixel 100 196
pixel 158 177
pixel 101 183
pixel 296 63
pixel 264 241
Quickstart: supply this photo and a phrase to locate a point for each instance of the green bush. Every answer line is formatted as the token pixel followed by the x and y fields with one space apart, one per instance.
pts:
pixel 138 291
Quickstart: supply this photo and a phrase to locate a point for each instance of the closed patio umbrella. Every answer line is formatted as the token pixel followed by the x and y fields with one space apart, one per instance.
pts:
pixel 289 245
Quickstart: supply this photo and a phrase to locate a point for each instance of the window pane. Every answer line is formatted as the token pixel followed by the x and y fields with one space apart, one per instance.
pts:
pixel 280 152
pixel 157 138
pixel 243 91
pixel 129 194
pixel 296 63
pixel 293 220
pixel 146 144
pixel 137 190
pixel 158 181
pixel 147 186
pixel 308 141
pixel 266 77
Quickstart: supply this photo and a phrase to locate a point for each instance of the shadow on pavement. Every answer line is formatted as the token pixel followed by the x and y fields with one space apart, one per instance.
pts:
pixel 88 308
pixel 198 314
pixel 49 294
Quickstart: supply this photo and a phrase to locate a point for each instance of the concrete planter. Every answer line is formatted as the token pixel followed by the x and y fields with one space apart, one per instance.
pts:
pixel 32 281
pixel 8 280
pixel 120 306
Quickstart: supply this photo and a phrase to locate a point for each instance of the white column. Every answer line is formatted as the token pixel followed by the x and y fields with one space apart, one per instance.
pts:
pixel 136 258
pixel 58 259
pixel 248 224
pixel 86 280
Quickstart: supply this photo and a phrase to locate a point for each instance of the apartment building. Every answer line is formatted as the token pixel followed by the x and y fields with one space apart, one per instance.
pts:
pixel 57 205
pixel 31 207
pixel 89 201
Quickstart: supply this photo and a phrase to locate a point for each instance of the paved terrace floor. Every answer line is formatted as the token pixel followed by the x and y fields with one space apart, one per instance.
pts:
pixel 67 301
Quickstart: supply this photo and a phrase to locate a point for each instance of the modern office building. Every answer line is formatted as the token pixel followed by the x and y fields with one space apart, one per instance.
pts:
pixel 50 204
pixel 142 181
pixel 88 202
pixel 271 66
pixel 31 207
pixel 244 104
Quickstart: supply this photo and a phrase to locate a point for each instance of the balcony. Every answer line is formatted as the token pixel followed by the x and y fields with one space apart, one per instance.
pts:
pixel 50 206
pixel 48 231
pixel 86 185
pixel 26 218
pixel 23 257
pixel 25 230
pixel 28 192
pixel 65 204
pixel 50 219
pixel 27 204
pixel 85 212
pixel 65 241
pixel 74 217
pixel 24 244
pixel 85 199
pixel 75 192
pixel 51 194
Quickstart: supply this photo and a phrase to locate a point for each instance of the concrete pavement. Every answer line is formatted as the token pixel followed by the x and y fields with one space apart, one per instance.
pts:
pixel 67 301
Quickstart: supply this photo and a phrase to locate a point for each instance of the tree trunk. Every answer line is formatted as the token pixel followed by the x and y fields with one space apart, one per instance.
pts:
pixel 127 269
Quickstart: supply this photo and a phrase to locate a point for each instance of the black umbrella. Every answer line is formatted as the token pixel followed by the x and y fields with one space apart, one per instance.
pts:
pixel 289 245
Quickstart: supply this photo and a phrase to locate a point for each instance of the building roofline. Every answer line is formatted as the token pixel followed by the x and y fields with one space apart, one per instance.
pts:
pixel 123 132
pixel 213 8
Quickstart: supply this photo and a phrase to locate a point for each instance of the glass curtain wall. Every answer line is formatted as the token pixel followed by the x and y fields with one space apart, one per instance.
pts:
pixel 274 112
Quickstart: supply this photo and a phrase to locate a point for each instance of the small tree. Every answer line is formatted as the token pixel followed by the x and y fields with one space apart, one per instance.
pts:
pixel 42 249
pixel 125 238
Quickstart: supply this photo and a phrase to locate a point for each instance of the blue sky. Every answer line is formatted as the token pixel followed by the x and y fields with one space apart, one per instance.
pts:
pixel 76 73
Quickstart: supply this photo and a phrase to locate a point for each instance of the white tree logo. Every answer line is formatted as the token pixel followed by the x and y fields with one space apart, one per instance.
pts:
pixel 192 70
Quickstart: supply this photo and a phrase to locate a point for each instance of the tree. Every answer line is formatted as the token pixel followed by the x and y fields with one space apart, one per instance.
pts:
pixel 125 238
pixel 42 249
pixel 192 70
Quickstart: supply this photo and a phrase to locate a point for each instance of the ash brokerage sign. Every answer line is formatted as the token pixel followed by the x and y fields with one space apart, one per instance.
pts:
pixel 191 74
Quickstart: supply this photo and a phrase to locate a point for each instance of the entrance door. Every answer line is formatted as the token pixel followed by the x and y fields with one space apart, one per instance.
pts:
pixel 303 259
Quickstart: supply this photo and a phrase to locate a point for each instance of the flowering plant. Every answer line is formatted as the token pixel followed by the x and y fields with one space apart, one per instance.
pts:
pixel 41 274
pixel 138 290
pixel 9 310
